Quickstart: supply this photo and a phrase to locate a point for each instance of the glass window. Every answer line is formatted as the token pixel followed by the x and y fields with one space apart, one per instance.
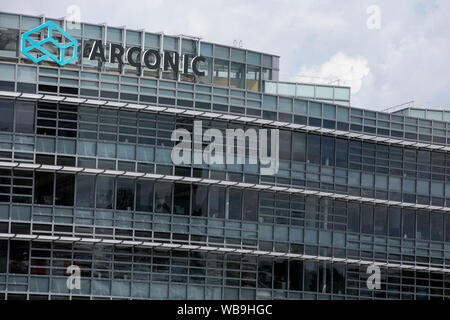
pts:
pixel 235 204
pixel 144 195
pixel 253 58
pixel 437 224
pixel 238 55
pixel 181 198
pixel 9 20
pixel 367 219
pixel 19 252
pixel 341 153
pixel 64 191
pixel 423 226
pixel 133 38
pixel 216 202
pixel 26 74
pixel 380 220
pixel 285 104
pixel 105 192
pixel 265 273
pixel 394 222
pixel 313 148
pixel 43 188
pixel 199 200
pixel 250 205
pixel 85 190
pixel 151 40
pixel 329 111
pixel 92 32
pixel 311 276
pixel 222 52
pixel 125 194
pixel 447 228
pixel 170 43
pixel 3 255
pixel 285 145
pixel 315 109
pixel 8 47
pixel 338 278
pixel 353 217
pixel 409 224
pixel 114 35
pixel 295 275
pixel 206 49
pixel 280 273
pixel 237 75
pixel 327 151
pixel 163 197
pixel 206 67
pixel 7 112
pixel 300 107
pixel 253 78
pixel 86 148
pixel 126 151
pixel 299 146
pixel 106 150
pixel 221 73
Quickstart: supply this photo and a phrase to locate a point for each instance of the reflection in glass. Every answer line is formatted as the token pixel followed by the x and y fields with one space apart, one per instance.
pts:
pixel 43 188
pixel 125 194
pixel 163 197
pixel 235 204
pixel 221 73
pixel 181 198
pixel 85 190
pixel 144 195
pixel 105 192
pixel 237 75
pixel 216 202
pixel 64 191
pixel 199 200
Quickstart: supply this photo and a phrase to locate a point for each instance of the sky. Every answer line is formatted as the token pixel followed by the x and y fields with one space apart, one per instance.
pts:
pixel 389 52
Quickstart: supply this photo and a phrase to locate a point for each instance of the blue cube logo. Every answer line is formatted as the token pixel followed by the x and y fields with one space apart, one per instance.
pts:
pixel 49 47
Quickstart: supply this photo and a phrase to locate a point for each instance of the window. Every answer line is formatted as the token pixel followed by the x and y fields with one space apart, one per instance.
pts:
pixel 338 278
pixel 280 273
pixel 85 190
pixel 353 217
pixel 409 224
pixel 313 148
pixel 217 202
pixel 394 221
pixel 250 205
pixel 437 223
pixel 380 220
pixel 163 197
pixel 3 255
pixel 199 200
pixel 253 78
pixel 7 118
pixel 298 146
pixel 235 204
pixel 144 195
pixel 105 192
pixel 295 275
pixel 237 75
pixel 125 194
pixel 19 256
pixel 221 73
pixel 423 226
pixel 265 273
pixel 43 188
pixel 341 153
pixel 310 276
pixel 181 198
pixel 327 151
pixel 367 219
pixel 64 191
pixel 285 145
pixel 24 116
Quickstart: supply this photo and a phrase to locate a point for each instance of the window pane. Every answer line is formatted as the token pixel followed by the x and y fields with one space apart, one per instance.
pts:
pixel 409 224
pixel 105 192
pixel 64 191
pixel 144 195
pixel 7 118
pixel 311 276
pixel 24 116
pixel 437 224
pixel 181 199
pixel 18 256
pixel 235 204
pixel 367 219
pixel 237 75
pixel 423 226
pixel 125 194
pixel 221 73
pixel 3 255
pixel 285 145
pixel 380 220
pixel 253 78
pixel 217 202
pixel 314 148
pixel 327 151
pixel 296 275
pixel 353 217
pixel 163 197
pixel 341 153
pixel 394 221
pixel 85 190
pixel 43 188
pixel 199 200
pixel 250 205
pixel 299 146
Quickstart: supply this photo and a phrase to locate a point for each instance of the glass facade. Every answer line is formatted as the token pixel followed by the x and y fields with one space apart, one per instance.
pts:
pixel 86 179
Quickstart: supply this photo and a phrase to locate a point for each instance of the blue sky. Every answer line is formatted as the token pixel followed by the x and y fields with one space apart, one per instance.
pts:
pixel 395 52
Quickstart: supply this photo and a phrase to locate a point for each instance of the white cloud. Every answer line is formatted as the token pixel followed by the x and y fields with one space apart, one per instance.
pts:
pixel 349 70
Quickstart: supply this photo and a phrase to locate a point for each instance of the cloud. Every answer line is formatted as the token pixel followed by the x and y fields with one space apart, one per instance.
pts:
pixel 350 71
